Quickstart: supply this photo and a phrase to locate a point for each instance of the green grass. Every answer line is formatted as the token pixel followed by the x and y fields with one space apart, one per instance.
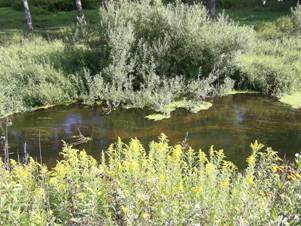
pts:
pixel 12 21
pixel 293 100
pixel 43 20
pixel 255 16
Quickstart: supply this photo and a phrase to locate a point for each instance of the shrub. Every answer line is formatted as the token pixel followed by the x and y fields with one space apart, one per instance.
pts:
pixel 155 52
pixel 169 185
pixel 178 39
pixel 273 67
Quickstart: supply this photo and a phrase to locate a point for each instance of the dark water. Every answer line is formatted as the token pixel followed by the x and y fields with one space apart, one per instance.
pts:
pixel 232 124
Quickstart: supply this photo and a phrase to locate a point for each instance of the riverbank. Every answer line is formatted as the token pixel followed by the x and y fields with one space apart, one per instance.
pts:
pixel 134 68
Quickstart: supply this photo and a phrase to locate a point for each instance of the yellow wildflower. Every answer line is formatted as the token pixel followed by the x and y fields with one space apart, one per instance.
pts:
pixel 249 180
pixel 251 160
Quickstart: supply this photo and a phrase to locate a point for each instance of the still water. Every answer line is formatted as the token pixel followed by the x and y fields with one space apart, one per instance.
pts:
pixel 232 124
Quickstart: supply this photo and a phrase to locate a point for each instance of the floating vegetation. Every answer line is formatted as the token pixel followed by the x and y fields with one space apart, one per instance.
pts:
pixel 192 106
pixel 200 107
pixel 234 92
pixel 158 117
pixel 294 100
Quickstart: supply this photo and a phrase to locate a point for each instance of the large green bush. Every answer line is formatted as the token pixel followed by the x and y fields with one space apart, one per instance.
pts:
pixel 178 39
pixel 167 186
pixel 155 54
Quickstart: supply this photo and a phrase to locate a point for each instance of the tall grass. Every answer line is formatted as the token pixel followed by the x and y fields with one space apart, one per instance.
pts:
pixel 31 76
pixel 273 67
pixel 163 185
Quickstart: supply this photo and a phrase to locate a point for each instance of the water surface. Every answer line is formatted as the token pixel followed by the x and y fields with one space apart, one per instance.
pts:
pixel 232 124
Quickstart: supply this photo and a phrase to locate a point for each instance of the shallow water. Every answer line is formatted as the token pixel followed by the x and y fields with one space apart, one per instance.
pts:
pixel 232 124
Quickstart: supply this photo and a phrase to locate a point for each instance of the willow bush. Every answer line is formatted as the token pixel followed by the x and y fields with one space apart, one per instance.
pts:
pixel 154 52
pixel 163 185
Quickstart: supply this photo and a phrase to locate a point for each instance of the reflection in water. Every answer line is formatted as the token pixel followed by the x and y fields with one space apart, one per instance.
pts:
pixel 232 124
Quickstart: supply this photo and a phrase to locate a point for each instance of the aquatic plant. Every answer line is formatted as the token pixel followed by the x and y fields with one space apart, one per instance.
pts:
pixel 161 185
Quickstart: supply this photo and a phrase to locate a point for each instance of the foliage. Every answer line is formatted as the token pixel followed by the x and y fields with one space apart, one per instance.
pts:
pixel 149 55
pixel 157 54
pixel 173 39
pixel 32 75
pixel 274 66
pixel 169 185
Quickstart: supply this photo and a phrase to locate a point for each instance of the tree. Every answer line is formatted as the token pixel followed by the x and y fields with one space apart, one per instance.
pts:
pixel 211 5
pixel 80 12
pixel 27 15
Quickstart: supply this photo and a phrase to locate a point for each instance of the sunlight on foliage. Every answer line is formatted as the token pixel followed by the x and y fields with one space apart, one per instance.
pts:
pixel 164 184
pixel 293 100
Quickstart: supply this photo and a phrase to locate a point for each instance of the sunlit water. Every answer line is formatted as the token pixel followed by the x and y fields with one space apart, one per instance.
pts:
pixel 232 124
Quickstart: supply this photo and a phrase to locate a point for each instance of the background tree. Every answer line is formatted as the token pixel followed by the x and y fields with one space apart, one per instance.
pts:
pixel 27 15
pixel 80 12
pixel 211 6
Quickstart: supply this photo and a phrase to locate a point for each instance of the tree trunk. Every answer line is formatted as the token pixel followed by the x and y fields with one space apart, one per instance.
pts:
pixel 103 3
pixel 211 5
pixel 79 8
pixel 27 15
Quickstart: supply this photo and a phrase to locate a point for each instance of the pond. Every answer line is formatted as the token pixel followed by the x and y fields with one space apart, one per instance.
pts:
pixel 232 124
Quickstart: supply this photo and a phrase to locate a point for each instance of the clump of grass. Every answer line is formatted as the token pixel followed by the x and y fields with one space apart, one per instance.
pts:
pixel 273 68
pixel 31 76
pixel 162 185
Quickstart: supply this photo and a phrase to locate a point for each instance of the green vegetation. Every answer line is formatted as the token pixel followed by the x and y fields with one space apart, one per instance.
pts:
pixel 163 57
pixel 12 22
pixel 273 67
pixel 293 100
pixel 155 55
pixel 169 185
pixel 36 73
pixel 143 55
pixel 192 106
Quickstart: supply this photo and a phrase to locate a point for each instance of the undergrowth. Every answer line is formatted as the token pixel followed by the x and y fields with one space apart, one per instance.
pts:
pixel 163 185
